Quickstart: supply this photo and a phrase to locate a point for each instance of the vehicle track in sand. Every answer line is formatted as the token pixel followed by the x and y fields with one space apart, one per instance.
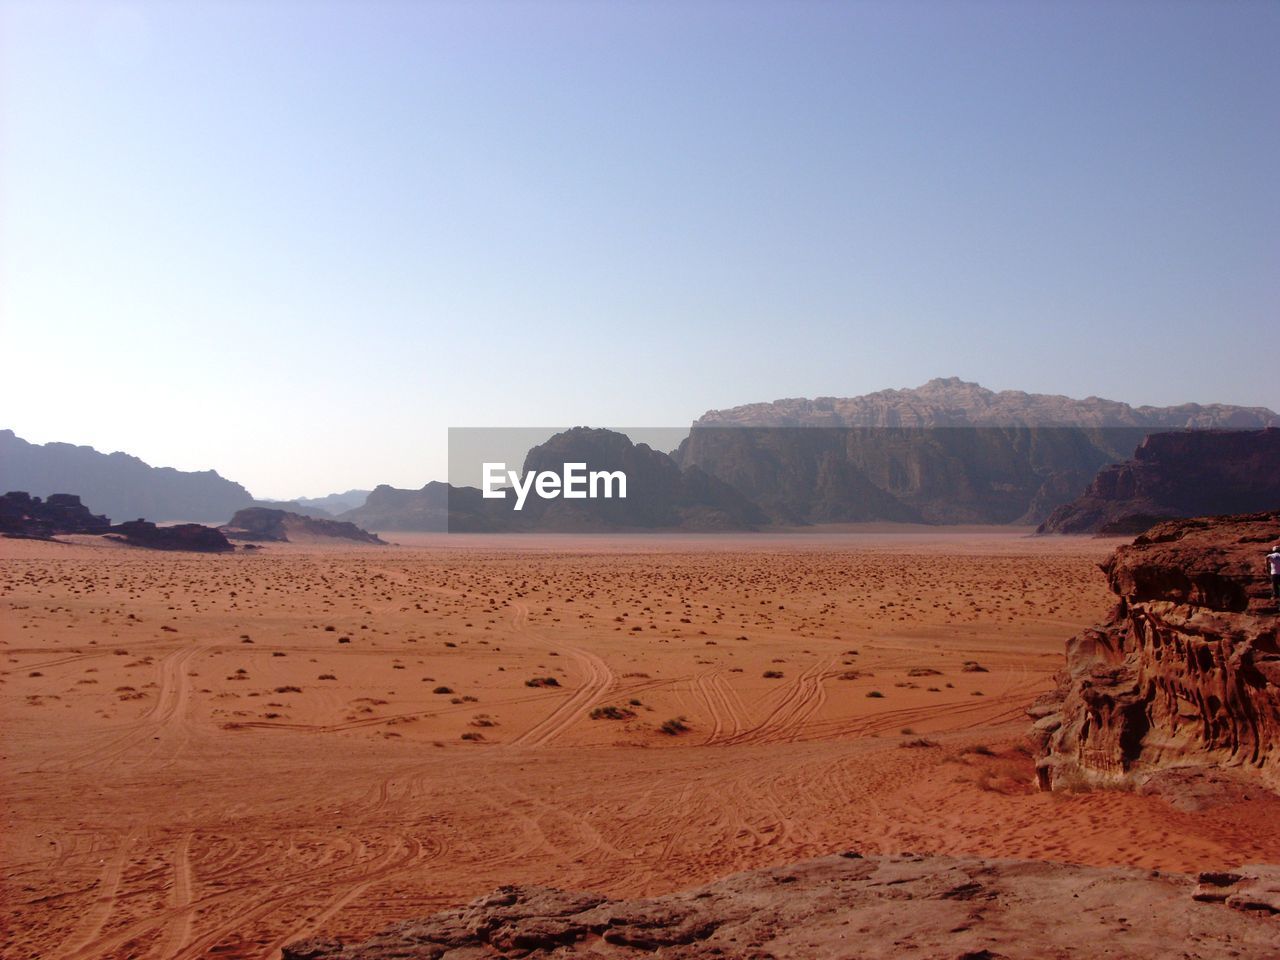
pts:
pixel 595 684
pixel 799 701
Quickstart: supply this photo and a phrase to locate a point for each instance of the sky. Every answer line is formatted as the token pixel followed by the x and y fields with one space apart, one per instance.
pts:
pixel 296 242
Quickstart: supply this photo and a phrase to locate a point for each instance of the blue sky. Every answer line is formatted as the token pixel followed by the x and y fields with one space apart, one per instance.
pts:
pixel 298 241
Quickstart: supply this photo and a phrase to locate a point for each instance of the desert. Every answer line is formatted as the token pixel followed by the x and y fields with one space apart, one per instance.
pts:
pixel 218 755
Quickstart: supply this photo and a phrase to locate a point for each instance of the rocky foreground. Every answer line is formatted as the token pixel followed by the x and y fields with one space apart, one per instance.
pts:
pixel 848 906
pixel 1184 674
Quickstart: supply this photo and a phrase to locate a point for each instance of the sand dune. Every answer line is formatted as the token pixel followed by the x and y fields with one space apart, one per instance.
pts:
pixel 215 755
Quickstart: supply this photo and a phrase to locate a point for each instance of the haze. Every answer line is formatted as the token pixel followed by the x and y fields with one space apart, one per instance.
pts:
pixel 297 242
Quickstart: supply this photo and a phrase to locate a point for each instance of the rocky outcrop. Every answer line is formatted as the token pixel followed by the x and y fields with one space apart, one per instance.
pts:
pixel 1186 670
pixel 1184 474
pixel 281 526
pixel 927 908
pixel 946 452
pixel 22 515
pixel 180 536
pixel 116 483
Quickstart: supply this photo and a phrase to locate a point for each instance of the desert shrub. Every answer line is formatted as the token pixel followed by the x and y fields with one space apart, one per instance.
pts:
pixel 675 726
pixel 611 713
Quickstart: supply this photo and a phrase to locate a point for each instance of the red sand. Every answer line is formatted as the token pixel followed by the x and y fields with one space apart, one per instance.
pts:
pixel 169 793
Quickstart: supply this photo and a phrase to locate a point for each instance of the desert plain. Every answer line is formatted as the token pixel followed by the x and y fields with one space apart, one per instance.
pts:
pixel 211 756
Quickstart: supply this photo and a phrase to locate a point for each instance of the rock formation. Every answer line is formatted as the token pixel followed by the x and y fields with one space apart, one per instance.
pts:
pixel 116 483
pixel 947 452
pixel 180 536
pixel 660 496
pixel 22 515
pixel 927 908
pixel 259 523
pixel 952 402
pixel 1183 474
pixel 1186 670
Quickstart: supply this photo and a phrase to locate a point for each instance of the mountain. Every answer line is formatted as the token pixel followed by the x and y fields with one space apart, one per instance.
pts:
pixel 281 526
pixel 334 503
pixel 1184 474
pixel 660 495
pixel 121 486
pixel 952 402
pixel 946 452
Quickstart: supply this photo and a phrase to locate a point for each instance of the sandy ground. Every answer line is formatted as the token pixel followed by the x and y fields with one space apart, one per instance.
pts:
pixel 214 755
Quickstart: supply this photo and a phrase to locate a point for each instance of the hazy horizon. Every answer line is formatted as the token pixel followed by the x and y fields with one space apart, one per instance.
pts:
pixel 296 243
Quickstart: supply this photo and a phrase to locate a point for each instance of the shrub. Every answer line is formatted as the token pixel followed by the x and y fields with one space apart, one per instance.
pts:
pixel 611 713
pixel 675 726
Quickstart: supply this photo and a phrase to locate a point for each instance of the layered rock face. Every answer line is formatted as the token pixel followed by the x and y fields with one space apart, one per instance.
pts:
pixel 945 452
pixel 1184 673
pixel 281 526
pixel 926 908
pixel 1182 474
pixel 22 515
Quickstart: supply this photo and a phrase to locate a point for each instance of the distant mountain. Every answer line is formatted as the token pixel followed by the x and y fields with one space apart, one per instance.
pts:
pixel 1175 475
pixel 281 526
pixel 660 496
pixel 335 503
pixel 121 486
pixel 952 402
pixel 948 452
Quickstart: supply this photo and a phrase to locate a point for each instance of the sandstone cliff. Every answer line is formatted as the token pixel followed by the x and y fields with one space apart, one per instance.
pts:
pixel 1186 670
pixel 924 908
pixel 1183 474
pixel 946 452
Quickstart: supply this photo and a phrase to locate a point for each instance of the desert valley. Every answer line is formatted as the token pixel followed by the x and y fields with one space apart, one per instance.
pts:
pixel 217 755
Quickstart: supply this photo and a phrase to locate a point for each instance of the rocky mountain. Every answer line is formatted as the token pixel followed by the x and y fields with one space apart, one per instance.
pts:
pixel 22 515
pixel 952 402
pixel 660 495
pixel 334 503
pixel 947 452
pixel 116 483
pixel 1186 670
pixel 281 526
pixel 847 905
pixel 1184 474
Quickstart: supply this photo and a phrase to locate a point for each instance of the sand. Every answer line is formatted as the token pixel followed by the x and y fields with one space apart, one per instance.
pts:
pixel 214 755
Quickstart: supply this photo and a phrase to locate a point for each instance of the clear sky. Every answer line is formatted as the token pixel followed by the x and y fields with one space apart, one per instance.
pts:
pixel 297 241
